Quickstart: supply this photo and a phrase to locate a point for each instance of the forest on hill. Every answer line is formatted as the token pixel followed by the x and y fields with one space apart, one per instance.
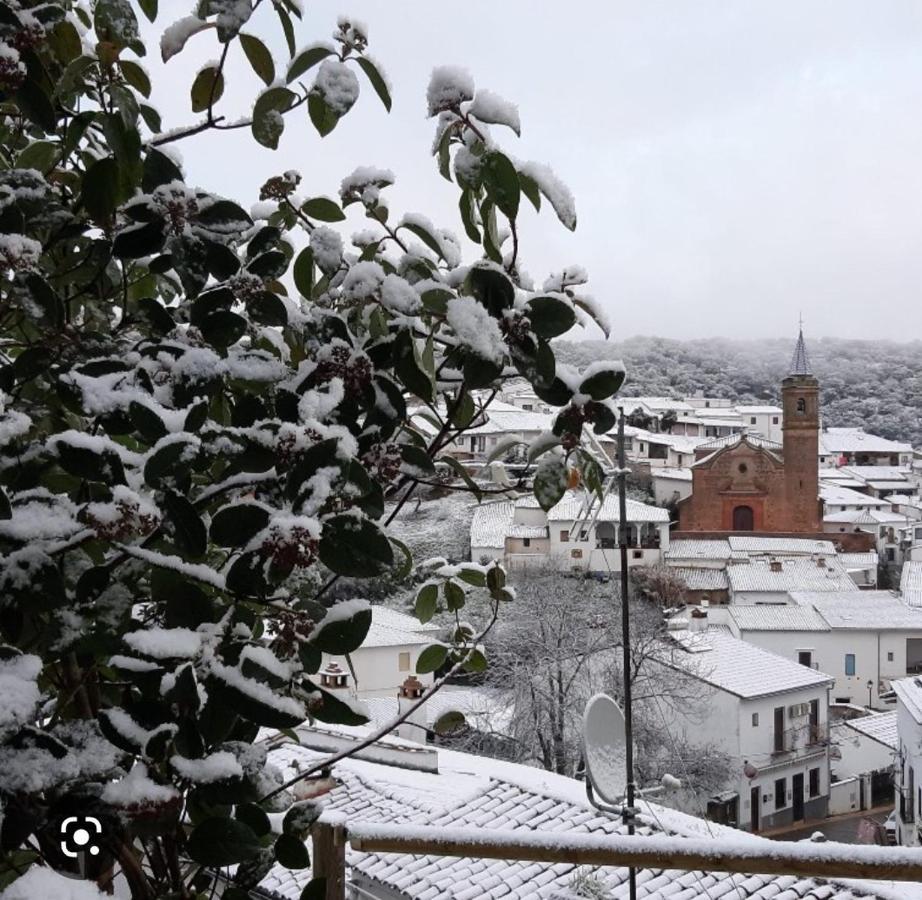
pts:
pixel 876 385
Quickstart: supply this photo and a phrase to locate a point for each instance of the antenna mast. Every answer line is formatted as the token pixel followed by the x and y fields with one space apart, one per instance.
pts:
pixel 628 809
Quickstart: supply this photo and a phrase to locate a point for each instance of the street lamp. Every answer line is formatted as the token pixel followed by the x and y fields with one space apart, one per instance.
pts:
pixel 870 688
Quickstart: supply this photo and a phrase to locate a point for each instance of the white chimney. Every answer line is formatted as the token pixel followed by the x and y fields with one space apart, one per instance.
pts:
pixel 335 678
pixel 414 728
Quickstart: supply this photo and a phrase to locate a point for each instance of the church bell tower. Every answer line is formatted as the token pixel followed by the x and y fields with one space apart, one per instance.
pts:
pixel 800 393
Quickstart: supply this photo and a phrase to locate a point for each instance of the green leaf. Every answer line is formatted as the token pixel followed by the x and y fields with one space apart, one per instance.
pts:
pixel 115 22
pixel 306 60
pixel 492 288
pixel 417 458
pixel 550 482
pixel 100 188
pixel 246 575
pixel 550 316
pixel 455 597
pixel 344 634
pixel 458 468
pixel 189 533
pixel 376 77
pixel 90 464
pixel 268 119
pixel 472 576
pixel 39 155
pixel 149 8
pixel 267 308
pixel 502 183
pixel 260 58
pixel 271 264
pixel 6 511
pixel 291 852
pixel 324 209
pixel 315 889
pixel 207 88
pixel 429 239
pixel 333 711
pixel 36 105
pixel 531 190
pixel 432 657
pixel 466 206
pixel 224 213
pixel 321 114
pixel 426 602
pixel 138 240
pixel 135 76
pixel 476 662
pixel 557 393
pixel 449 722
pixel 159 169
pixel 245 704
pixel 603 384
pixel 287 27
pixel 408 367
pixel 222 842
pixel 303 272
pixel 146 422
pixel 355 546
pixel 164 460
pixel 222 328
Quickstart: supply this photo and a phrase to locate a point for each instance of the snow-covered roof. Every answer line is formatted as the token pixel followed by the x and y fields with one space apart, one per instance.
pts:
pixel 855 561
pixel 691 548
pixel 470 791
pixel 754 545
pixel 755 410
pixel 654 404
pixel 911 582
pixel 508 418
pixel 672 473
pixel 878 473
pixel 697 579
pixel 491 524
pixel 741 668
pixel 794 574
pixel 857 440
pixel 727 420
pixel 873 610
pixel 681 443
pixel 731 440
pixel 569 508
pixel 777 617
pixel 838 495
pixel 487 709
pixel 909 693
pixel 865 517
pixel 880 727
pixel 392 628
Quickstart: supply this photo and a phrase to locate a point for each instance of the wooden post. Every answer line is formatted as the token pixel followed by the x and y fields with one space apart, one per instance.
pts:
pixel 330 858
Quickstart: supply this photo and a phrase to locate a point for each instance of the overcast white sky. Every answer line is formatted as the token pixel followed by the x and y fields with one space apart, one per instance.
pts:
pixel 733 163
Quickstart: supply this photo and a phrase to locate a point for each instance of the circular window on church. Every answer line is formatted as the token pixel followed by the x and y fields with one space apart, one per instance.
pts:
pixel 742 468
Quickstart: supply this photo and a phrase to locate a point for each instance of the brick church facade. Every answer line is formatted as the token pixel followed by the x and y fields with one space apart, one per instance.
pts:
pixel 748 483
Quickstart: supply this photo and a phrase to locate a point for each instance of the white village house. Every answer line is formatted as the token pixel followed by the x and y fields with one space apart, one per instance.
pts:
pixel 908 783
pixel 773 723
pixel 523 535
pixel 864 640
pixel 863 753
pixel 771 580
pixel 385 659
pixel 856 447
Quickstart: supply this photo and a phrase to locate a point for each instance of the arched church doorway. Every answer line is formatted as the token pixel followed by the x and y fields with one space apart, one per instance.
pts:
pixel 743 519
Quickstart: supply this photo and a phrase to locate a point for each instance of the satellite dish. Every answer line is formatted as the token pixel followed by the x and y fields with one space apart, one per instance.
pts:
pixel 604 746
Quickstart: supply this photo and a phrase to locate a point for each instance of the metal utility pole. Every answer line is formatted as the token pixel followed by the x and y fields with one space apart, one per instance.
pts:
pixel 628 812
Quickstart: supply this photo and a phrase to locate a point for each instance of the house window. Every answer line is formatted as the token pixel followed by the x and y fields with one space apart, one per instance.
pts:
pixel 752 420
pixel 891 554
pixel 843 699
pixel 890 657
pixel 576 554
pixel 404 662
pixel 849 663
pixel 564 535
pixel 801 405
pixel 774 420
pixel 805 658
pixel 526 542
pixel 755 720
pixel 814 782
pixel 781 787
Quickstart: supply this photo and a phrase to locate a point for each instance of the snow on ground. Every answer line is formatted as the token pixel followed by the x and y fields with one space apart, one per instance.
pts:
pixel 437 527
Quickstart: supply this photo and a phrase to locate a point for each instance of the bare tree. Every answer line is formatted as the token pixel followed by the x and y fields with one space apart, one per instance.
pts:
pixel 556 645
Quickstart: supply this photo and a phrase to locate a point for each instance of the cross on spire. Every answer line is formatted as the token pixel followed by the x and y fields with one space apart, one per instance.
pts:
pixel 799 363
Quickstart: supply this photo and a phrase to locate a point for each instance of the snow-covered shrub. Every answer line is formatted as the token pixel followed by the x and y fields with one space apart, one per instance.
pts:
pixel 203 411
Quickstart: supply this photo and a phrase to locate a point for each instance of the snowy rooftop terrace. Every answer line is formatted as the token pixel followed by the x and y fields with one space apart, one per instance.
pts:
pixel 469 791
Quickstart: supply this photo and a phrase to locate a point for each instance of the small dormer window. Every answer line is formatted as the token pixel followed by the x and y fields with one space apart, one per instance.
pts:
pixel 801 405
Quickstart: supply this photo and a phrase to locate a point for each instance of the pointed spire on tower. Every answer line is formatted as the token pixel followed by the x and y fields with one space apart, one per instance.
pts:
pixel 799 363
